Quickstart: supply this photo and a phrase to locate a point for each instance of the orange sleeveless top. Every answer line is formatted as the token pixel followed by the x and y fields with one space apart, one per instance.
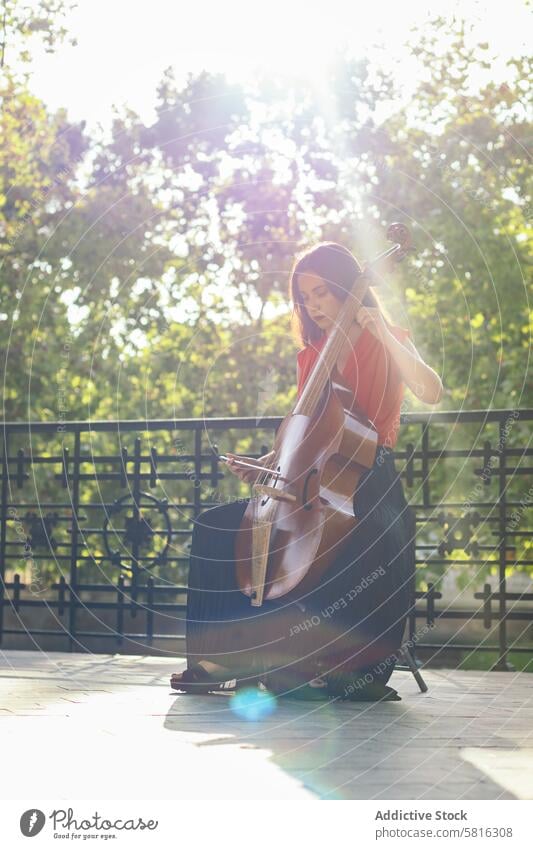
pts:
pixel 373 377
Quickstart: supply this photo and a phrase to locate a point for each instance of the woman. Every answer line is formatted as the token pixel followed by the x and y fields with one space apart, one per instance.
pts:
pixel 339 640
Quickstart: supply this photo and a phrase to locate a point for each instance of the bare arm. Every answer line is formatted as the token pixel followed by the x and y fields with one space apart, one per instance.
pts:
pixel 421 379
pixel 416 374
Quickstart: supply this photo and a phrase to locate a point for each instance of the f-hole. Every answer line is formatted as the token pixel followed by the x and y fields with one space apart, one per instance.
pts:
pixel 306 504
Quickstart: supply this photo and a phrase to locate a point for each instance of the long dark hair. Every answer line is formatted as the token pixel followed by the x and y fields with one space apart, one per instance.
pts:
pixel 338 267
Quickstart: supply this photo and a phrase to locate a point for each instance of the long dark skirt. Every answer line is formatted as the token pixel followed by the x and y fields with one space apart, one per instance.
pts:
pixel 353 622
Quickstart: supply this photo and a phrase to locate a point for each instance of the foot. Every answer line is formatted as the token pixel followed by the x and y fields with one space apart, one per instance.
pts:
pixel 204 665
pixel 203 677
pixel 196 679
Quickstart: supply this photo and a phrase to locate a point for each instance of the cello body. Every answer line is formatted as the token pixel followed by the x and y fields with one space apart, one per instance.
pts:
pixel 297 523
pixel 324 457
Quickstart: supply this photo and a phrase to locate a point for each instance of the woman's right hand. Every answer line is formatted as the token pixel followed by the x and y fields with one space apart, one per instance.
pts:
pixel 247 475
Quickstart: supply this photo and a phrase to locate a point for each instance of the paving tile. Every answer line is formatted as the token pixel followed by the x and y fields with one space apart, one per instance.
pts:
pixel 469 737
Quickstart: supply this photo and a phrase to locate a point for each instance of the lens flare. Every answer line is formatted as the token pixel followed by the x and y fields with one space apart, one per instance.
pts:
pixel 252 704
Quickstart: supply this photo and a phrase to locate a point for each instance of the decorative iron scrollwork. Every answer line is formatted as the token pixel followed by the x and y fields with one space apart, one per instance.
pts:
pixel 138 531
pixel 40 530
pixel 459 533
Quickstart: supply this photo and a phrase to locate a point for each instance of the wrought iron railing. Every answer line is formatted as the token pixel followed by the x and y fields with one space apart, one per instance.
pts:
pixel 95 519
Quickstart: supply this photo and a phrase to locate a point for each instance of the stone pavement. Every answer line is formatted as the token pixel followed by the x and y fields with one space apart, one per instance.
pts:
pixel 82 726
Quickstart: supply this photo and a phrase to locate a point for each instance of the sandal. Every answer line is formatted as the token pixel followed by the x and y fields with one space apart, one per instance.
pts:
pixel 196 679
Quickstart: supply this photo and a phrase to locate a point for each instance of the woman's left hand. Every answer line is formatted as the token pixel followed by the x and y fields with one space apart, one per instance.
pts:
pixel 372 318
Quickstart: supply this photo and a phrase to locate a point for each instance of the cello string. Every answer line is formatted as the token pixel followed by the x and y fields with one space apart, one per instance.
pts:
pixel 270 465
pixel 319 383
pixel 328 362
pixel 363 280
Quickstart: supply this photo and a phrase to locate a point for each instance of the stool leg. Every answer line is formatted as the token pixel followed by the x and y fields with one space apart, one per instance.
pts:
pixel 406 654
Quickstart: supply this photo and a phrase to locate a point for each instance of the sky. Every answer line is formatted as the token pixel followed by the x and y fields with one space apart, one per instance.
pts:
pixel 125 45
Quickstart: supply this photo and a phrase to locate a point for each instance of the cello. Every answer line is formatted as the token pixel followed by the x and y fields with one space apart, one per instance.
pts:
pixel 302 512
